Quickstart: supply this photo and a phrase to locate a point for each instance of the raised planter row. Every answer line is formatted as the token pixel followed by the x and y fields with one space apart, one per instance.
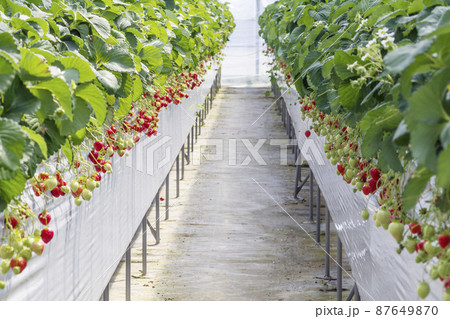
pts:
pixel 90 240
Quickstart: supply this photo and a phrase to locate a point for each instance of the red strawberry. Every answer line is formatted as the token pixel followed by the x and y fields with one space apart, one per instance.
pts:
pixel 18 264
pixel 161 198
pixel 55 192
pixel 363 176
pixel 420 245
pixel 444 240
pixel 366 190
pixel 45 217
pixel 308 134
pixel 13 221
pixel 375 173
pixel 373 185
pixel 98 146
pixel 47 235
pixel 415 228
pixel 341 168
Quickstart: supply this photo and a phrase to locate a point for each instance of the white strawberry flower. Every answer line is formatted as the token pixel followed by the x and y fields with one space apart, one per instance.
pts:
pixel 365 57
pixel 371 43
pixel 352 66
pixel 388 42
pixel 382 33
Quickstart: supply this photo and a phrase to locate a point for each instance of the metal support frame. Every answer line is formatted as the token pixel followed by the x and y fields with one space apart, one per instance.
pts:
pixel 311 195
pixel 167 196
pixel 196 129
pixel 339 269
pixel 327 243
pixel 178 175
pixel 183 156
pixel 105 296
pixel 188 149
pixel 192 140
pixel 354 294
pixel 128 273
pixel 318 215
pixel 144 244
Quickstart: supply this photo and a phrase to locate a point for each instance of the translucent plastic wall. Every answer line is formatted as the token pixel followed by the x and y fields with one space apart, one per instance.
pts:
pixel 245 64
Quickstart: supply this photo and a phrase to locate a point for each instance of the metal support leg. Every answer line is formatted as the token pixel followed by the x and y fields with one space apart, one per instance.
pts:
pixel 167 197
pixel 311 194
pixel 106 293
pixel 128 274
pixel 318 215
pixel 144 245
pixel 157 237
pixel 182 161
pixel 188 149
pixel 192 140
pixel 211 96
pixel 178 175
pixel 327 243
pixel 357 296
pixel 351 294
pixel 196 130
pixel 339 270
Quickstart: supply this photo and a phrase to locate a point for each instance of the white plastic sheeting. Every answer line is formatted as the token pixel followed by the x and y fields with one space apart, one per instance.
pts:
pixel 90 240
pixel 381 273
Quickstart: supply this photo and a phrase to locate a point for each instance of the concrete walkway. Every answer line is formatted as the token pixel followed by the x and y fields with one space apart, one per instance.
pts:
pixel 234 233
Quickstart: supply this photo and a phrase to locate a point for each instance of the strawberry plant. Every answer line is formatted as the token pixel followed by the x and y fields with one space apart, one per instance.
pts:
pixel 374 76
pixel 81 81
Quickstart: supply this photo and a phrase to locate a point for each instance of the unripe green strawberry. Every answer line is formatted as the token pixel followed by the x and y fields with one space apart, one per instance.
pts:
pixel 65 189
pixel 430 249
pixel 25 253
pixel 37 235
pixel 78 201
pixel 353 162
pixel 17 245
pixel 37 247
pixel 2 285
pixel 51 183
pixel 359 185
pixel 396 230
pixel 377 223
pixel 59 112
pixel 74 186
pixel 86 194
pixel 97 184
pixel 90 185
pixel 428 231
pixel 27 242
pixel 383 216
pixel 434 274
pixel 108 168
pixel 444 270
pixel 446 296
pixel 110 151
pixel 6 252
pixel 423 289
pixel 365 214
pixel 410 245
pixel 4 266
pixel 333 161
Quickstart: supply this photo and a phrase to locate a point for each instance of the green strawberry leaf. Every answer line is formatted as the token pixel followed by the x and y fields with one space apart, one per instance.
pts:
pixel 12 144
pixel 38 139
